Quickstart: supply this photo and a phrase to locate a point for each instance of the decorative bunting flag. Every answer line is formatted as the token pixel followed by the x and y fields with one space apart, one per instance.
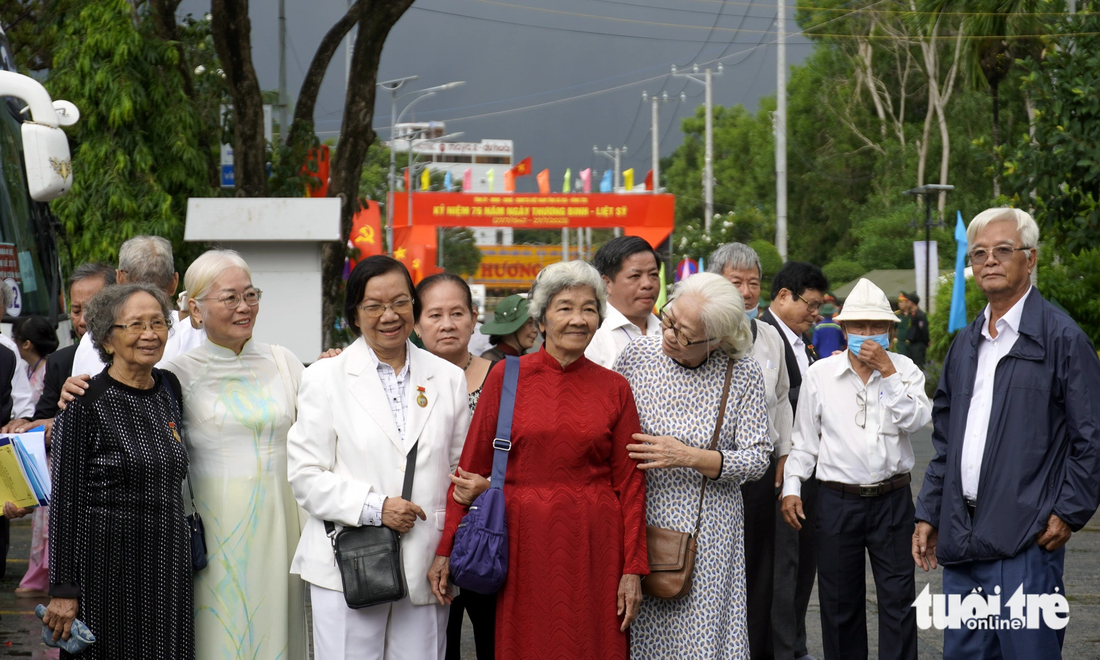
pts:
pixel 586 179
pixel 567 185
pixel 489 179
pixel 425 180
pixel 509 181
pixel 649 180
pixel 628 180
pixel 447 181
pixel 605 182
pixel 544 182
pixel 468 180
pixel 957 319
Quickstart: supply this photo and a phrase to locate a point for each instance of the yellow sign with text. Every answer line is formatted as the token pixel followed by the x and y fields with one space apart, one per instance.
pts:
pixel 515 266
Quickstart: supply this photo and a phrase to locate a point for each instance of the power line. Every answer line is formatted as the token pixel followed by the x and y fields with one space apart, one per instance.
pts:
pixel 840 7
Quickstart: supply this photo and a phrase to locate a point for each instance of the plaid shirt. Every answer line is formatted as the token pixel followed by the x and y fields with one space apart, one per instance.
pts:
pixel 396 386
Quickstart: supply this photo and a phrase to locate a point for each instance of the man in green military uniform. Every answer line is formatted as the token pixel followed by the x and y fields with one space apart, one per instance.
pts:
pixel 916 335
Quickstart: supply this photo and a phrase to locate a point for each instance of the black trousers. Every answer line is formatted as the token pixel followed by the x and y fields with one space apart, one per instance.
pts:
pixel 795 570
pixel 848 525
pixel 482 609
pixel 760 502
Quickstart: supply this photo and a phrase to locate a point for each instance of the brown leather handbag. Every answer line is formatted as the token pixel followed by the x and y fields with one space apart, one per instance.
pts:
pixel 672 553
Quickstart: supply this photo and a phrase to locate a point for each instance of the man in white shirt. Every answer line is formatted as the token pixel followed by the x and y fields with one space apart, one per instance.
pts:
pixel 856 413
pixel 798 291
pixel 740 264
pixel 145 259
pixel 631 270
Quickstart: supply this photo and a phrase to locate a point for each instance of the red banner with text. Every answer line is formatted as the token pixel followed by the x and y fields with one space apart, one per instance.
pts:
pixel 535 211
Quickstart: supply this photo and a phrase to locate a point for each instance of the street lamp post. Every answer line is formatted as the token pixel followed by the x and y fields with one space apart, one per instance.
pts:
pixel 927 193
pixel 392 86
pixel 708 157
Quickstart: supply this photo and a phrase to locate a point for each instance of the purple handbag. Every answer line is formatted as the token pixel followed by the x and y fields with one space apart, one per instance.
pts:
pixel 479 557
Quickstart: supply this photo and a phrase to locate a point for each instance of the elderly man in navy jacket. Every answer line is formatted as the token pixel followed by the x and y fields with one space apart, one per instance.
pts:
pixel 1017 440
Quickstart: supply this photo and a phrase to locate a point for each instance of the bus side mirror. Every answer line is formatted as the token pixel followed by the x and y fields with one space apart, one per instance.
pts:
pixel 49 165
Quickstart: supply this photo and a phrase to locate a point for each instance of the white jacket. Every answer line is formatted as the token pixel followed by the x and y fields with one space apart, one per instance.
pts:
pixel 345 445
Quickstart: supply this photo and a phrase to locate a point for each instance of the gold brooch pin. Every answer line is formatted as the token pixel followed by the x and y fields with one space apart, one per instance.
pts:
pixel 175 433
pixel 421 400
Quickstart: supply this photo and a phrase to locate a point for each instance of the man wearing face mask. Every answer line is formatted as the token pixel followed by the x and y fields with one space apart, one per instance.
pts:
pixel 856 414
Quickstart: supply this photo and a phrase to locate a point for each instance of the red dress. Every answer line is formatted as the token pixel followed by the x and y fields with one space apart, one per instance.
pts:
pixel 575 504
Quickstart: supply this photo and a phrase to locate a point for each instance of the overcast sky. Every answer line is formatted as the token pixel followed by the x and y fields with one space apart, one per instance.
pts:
pixel 555 76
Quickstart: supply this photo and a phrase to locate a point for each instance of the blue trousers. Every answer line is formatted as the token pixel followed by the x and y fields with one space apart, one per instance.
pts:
pixel 1040 572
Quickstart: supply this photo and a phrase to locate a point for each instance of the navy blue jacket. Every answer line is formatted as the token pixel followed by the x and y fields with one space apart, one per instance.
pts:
pixel 1042 452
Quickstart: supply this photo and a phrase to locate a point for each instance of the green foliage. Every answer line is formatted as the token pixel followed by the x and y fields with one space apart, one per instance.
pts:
pixel 940 339
pixel 742 226
pixel 137 150
pixel 1073 284
pixel 1062 163
pixel 842 271
pixel 460 255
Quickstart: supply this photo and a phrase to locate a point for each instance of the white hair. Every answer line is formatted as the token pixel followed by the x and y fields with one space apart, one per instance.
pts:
pixel 721 310
pixel 211 265
pixel 147 259
pixel 1025 224
pixel 558 277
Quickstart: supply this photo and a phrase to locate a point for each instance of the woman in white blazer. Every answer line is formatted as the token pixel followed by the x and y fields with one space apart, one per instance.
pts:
pixel 359 414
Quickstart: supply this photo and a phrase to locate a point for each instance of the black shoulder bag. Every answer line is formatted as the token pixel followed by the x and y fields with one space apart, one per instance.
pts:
pixel 194 522
pixel 369 557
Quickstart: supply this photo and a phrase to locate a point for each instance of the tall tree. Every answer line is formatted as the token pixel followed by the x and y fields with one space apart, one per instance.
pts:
pixel 375 19
pixel 138 148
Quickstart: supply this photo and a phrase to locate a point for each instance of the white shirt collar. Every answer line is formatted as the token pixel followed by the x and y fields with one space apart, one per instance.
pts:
pixel 615 320
pixel 377 363
pixel 794 339
pixel 1011 318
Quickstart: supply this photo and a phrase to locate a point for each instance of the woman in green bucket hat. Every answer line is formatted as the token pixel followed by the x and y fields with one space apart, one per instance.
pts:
pixel 512 330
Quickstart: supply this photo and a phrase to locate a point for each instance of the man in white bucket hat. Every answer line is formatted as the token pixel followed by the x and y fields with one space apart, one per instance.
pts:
pixel 856 412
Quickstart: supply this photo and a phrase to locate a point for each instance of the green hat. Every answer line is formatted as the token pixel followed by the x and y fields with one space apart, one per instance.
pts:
pixel 510 314
pixel 828 310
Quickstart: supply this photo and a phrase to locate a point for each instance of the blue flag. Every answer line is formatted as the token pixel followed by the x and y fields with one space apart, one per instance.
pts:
pixel 447 181
pixel 605 183
pixel 957 320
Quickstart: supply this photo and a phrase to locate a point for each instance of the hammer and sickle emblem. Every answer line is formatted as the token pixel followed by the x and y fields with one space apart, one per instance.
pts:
pixel 365 234
pixel 416 264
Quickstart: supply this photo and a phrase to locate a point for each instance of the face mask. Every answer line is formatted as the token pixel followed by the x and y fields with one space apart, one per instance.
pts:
pixel 855 341
pixel 752 312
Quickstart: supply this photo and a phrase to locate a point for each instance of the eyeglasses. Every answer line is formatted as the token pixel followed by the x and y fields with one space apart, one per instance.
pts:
pixel 1002 253
pixel 233 300
pixel 861 399
pixel 812 307
pixel 376 310
pixel 682 339
pixel 139 327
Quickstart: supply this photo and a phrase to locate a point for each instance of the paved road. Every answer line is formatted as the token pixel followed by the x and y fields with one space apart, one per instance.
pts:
pixel 19 628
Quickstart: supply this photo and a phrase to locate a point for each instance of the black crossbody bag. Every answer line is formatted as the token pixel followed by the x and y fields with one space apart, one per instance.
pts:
pixel 369 557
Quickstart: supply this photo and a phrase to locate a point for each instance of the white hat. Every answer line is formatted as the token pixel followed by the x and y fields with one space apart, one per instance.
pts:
pixel 866 302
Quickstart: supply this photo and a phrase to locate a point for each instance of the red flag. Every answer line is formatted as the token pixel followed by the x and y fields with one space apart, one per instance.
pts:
pixel 366 233
pixel 649 180
pixel 522 168
pixel 544 182
pixel 415 247
pixel 406 178
pixel 320 156
pixel 509 181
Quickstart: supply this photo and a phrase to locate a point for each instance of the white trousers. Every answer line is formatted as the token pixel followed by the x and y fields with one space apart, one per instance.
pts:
pixel 394 631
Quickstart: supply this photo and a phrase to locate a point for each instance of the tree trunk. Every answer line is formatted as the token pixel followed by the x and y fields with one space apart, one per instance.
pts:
pixel 996 130
pixel 376 18
pixel 232 31
pixel 302 125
